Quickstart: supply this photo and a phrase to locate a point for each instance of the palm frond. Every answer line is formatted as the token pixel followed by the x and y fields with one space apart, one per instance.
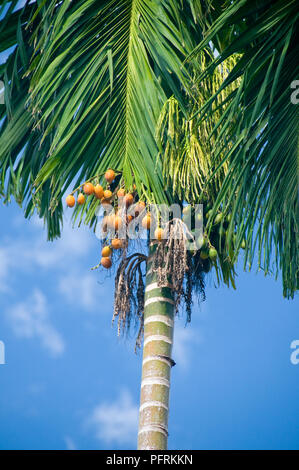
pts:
pixel 99 75
pixel 21 153
pixel 261 145
pixel 186 144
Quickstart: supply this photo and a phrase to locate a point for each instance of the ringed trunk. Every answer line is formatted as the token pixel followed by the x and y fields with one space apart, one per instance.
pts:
pixel 156 364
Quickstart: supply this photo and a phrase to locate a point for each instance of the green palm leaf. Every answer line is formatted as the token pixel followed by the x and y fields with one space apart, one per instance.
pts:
pixel 21 153
pixel 98 77
pixel 261 145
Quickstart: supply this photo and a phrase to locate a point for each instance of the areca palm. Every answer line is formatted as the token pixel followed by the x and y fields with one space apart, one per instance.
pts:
pixel 84 89
pixel 133 85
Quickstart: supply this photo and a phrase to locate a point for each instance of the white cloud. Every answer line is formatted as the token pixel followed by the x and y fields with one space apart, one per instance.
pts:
pixel 33 250
pixel 4 270
pixel 61 253
pixel 64 256
pixel 184 340
pixel 80 289
pixel 28 253
pixel 117 421
pixel 70 445
pixel 30 319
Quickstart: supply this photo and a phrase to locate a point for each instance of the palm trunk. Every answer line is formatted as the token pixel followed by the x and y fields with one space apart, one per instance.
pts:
pixel 157 362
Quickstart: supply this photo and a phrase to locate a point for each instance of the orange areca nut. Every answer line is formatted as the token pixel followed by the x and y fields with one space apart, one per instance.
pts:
pixel 106 262
pixel 70 201
pixel 109 175
pixel 107 194
pixel 121 192
pixel 146 222
pixel 116 243
pixel 99 191
pixel 88 188
pixel 128 199
pixel 106 251
pixel 117 222
pixel 81 199
pixel 159 233
pixel 139 207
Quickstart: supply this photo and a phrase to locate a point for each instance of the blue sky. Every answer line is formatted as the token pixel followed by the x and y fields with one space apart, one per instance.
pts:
pixel 70 383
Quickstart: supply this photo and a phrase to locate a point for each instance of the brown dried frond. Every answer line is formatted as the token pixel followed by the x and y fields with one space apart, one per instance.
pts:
pixel 171 262
pixel 129 294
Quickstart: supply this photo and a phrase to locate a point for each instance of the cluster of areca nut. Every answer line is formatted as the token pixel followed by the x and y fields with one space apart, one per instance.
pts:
pixel 122 207
pixel 218 233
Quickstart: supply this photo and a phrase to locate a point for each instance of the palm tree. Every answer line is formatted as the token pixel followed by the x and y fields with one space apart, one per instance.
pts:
pixel 134 85
pixel 83 90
